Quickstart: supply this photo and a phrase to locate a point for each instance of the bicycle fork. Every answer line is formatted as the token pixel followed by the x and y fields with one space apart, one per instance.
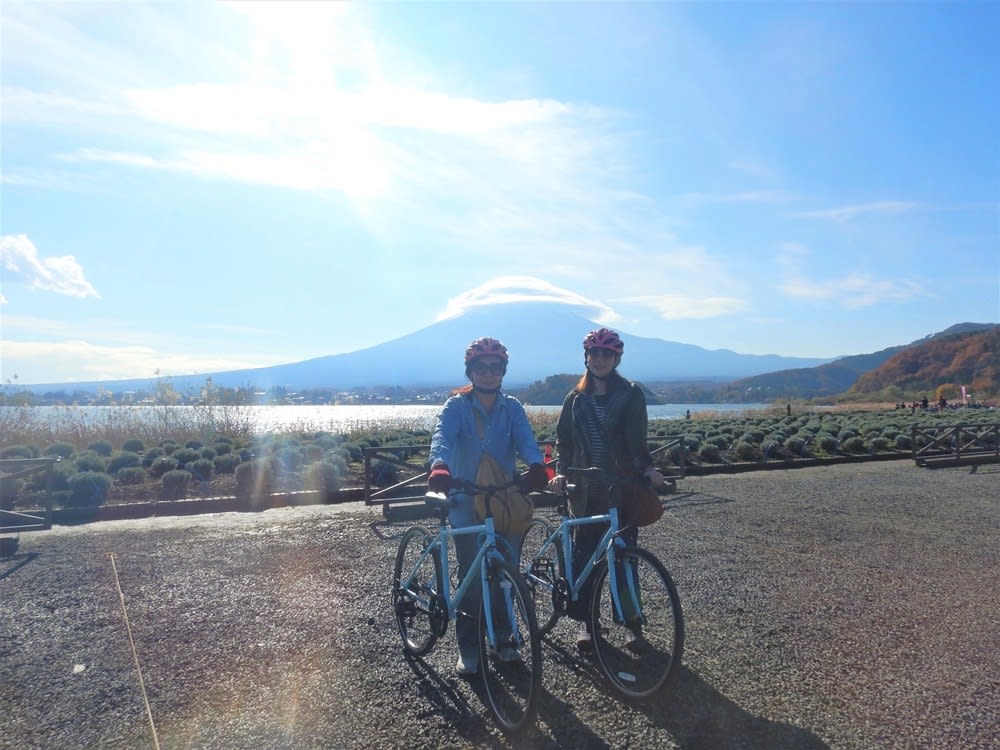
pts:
pixel 625 596
pixel 501 593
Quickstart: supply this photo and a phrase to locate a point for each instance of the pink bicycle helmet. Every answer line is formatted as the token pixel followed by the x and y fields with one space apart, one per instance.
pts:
pixel 604 338
pixel 484 347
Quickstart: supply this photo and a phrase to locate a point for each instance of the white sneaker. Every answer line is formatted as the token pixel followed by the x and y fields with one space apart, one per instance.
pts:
pixel 584 641
pixel 466 667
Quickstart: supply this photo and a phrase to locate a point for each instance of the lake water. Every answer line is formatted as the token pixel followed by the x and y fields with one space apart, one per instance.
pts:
pixel 340 418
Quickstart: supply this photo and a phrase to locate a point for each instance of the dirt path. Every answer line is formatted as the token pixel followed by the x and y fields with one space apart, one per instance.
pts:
pixel 842 607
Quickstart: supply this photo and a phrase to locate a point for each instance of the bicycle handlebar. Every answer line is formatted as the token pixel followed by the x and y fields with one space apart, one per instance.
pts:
pixel 470 487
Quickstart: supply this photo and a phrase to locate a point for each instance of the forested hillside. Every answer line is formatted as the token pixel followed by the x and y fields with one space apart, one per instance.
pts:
pixel 840 376
pixel 552 391
pixel 972 360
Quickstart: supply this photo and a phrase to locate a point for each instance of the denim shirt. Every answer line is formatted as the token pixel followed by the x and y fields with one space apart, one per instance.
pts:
pixel 506 435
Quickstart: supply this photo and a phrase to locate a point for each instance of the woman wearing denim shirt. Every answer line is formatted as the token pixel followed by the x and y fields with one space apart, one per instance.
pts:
pixel 456 449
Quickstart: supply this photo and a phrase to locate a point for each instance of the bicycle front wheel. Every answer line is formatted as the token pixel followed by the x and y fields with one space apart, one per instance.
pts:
pixel 639 648
pixel 416 593
pixel 541 573
pixel 512 663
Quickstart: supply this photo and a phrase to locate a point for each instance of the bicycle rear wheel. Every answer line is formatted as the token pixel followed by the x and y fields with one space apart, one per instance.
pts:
pixel 417 606
pixel 511 667
pixel 639 654
pixel 541 573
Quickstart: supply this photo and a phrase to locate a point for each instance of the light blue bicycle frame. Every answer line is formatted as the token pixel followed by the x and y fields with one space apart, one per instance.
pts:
pixel 487 551
pixel 606 547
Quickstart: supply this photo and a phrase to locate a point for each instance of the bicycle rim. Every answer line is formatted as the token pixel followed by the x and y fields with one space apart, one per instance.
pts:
pixel 511 686
pixel 637 668
pixel 416 607
pixel 541 573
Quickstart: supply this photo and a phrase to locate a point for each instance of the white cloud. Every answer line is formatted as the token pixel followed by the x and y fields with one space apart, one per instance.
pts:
pixel 759 196
pixel 33 362
pixel 854 291
pixel 60 274
pixel 847 213
pixel 507 289
pixel 680 307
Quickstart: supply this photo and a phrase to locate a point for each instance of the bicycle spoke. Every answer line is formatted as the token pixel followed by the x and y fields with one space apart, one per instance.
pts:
pixel 541 573
pixel 511 664
pixel 417 606
pixel 639 651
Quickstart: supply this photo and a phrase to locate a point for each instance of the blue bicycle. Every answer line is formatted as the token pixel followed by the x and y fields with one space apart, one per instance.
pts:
pixel 634 615
pixel 510 654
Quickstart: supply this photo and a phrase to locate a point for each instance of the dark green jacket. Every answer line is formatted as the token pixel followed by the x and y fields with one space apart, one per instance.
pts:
pixel 625 428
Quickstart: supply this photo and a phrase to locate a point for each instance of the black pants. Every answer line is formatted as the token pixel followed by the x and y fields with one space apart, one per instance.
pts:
pixel 585 541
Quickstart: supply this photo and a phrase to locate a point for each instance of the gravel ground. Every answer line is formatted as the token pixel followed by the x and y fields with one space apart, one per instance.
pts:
pixel 837 607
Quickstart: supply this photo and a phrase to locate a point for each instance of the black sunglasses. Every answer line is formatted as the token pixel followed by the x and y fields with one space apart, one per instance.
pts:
pixel 481 368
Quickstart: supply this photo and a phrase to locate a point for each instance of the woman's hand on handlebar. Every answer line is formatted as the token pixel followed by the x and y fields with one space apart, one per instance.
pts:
pixel 557 484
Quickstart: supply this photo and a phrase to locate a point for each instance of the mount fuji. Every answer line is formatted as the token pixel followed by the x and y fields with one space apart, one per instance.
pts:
pixel 543 338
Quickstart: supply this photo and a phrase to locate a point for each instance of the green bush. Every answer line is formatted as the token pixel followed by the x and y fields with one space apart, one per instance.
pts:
pixel 123 459
pixel 195 444
pixel 226 463
pixel 90 460
pixel 827 443
pixel 131 475
pixel 175 484
pixel 151 455
pixel 134 444
pixel 710 453
pixel 355 451
pixel 254 479
pixel 184 456
pixel 384 474
pixel 162 465
pixel 202 469
pixel 744 451
pixel 904 442
pixel 338 462
pixel 101 447
pixel 88 489
pixel 61 473
pixel 322 477
pixel 854 445
pixel 61 449
pixel 288 460
pixel 18 451
pixel 880 444
pixel 795 445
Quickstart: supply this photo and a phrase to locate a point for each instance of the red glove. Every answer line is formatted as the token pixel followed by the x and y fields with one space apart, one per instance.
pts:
pixel 439 479
pixel 535 478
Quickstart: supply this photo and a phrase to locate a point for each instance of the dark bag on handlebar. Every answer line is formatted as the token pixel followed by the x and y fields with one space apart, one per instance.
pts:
pixel 641 505
pixel 512 510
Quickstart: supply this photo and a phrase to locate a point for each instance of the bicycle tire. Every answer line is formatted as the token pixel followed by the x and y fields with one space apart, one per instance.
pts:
pixel 637 669
pixel 511 687
pixel 541 573
pixel 418 609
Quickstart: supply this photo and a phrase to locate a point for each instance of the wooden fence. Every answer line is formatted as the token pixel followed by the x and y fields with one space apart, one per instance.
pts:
pixel 955 445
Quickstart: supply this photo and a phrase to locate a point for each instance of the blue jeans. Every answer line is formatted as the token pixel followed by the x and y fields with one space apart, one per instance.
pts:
pixel 466 546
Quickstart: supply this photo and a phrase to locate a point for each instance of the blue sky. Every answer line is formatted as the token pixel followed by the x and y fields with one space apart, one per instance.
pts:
pixel 198 187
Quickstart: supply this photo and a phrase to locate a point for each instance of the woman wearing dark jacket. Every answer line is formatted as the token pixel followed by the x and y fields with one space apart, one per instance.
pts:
pixel 602 423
